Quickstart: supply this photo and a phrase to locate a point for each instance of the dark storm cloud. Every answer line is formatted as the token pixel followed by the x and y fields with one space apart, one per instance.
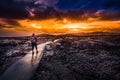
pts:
pixel 114 4
pixel 108 14
pixel 104 9
pixel 8 23
pixel 48 8
pixel 12 9
pixel 2 26
pixel 11 22
pixel 23 8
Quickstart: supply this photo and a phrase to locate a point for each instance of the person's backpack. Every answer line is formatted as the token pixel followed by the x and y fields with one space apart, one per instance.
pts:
pixel 33 40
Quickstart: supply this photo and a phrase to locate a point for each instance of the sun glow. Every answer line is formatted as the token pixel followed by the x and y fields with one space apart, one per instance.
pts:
pixel 77 26
pixel 35 26
pixel 66 25
pixel 65 21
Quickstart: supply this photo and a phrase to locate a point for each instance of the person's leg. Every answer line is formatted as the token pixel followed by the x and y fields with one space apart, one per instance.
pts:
pixel 32 48
pixel 36 48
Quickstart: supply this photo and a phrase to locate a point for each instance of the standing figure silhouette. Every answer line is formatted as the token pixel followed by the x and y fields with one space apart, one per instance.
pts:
pixel 34 41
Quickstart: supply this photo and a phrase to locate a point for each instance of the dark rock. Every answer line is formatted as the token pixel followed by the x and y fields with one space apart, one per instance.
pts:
pixel 87 59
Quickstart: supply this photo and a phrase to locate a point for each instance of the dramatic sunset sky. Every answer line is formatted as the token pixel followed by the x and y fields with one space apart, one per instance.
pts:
pixel 24 17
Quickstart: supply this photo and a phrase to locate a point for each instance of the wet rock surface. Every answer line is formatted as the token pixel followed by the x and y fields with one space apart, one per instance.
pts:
pixel 10 52
pixel 14 48
pixel 81 59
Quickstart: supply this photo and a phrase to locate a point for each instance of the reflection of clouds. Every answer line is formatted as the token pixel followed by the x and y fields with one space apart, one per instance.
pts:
pixel 34 59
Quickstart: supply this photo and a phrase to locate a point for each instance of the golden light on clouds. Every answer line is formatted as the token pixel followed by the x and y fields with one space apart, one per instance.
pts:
pixel 65 21
pixel 69 26
pixel 54 25
pixel 34 25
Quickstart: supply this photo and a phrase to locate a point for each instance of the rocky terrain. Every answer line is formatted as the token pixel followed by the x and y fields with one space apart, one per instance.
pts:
pixel 69 57
pixel 81 58
pixel 13 49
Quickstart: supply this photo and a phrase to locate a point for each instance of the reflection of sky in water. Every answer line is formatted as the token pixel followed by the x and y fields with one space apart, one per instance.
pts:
pixel 23 69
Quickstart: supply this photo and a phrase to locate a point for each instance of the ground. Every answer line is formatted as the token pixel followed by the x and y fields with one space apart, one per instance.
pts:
pixel 82 58
pixel 13 49
pixel 74 57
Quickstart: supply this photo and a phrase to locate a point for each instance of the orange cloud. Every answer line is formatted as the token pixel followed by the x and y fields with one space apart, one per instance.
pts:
pixel 65 25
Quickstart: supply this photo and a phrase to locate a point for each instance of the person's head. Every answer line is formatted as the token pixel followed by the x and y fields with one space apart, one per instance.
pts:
pixel 33 34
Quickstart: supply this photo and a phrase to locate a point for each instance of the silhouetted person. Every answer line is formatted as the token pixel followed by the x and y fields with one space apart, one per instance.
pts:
pixel 34 41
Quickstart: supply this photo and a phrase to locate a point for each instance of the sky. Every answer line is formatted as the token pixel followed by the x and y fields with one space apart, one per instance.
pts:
pixel 24 17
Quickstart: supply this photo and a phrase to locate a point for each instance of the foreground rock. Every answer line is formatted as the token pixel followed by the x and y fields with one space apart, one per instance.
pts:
pixel 85 59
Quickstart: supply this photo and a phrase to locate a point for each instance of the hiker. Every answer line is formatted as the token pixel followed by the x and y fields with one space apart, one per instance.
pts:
pixel 34 43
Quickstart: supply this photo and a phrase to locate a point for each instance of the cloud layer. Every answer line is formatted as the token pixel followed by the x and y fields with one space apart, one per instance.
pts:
pixel 22 16
pixel 105 9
